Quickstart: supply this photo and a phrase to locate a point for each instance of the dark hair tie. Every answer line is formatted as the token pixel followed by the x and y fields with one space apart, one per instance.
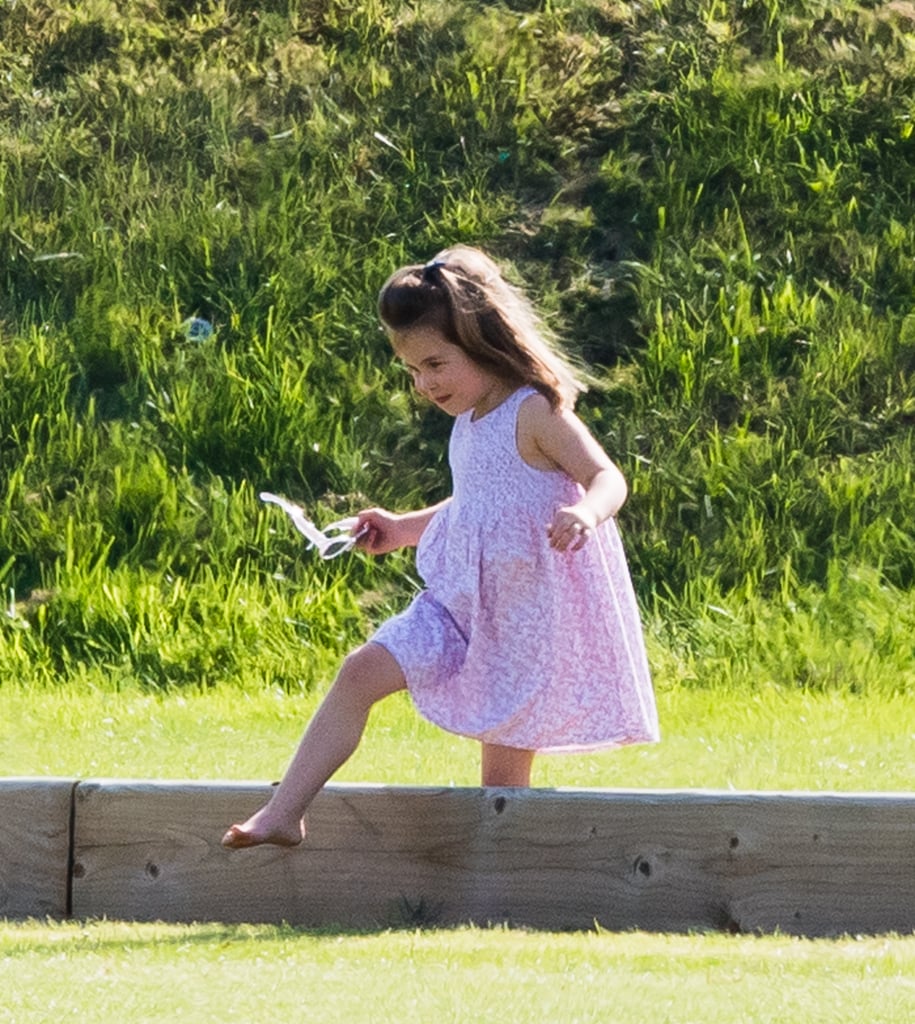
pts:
pixel 432 272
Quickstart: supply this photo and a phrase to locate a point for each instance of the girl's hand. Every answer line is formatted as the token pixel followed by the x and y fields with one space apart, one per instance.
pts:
pixel 382 531
pixel 387 531
pixel 571 527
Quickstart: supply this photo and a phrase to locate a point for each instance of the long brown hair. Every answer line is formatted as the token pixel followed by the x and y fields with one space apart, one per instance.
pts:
pixel 462 294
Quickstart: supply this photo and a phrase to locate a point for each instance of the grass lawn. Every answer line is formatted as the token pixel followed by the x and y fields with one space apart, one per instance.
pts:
pixel 773 739
pixel 104 971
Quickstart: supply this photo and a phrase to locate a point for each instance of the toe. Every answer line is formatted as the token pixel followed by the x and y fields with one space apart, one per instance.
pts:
pixel 237 839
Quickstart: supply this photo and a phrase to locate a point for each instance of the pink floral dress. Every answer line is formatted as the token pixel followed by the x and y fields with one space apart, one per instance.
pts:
pixel 512 642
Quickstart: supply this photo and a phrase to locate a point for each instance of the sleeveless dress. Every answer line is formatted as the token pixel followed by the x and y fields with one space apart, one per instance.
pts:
pixel 512 642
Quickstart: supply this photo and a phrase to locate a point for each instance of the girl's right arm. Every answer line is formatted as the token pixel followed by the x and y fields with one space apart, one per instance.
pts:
pixel 387 531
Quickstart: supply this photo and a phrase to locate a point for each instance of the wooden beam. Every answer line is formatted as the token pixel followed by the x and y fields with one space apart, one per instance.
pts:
pixel 805 864
pixel 35 847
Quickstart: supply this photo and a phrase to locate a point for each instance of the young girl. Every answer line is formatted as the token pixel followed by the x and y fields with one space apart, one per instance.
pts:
pixel 527 635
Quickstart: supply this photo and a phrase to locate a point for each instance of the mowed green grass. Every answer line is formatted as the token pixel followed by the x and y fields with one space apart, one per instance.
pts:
pixel 771 739
pixel 103 972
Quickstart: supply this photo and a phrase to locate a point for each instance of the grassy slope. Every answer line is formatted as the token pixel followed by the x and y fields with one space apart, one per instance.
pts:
pixel 713 202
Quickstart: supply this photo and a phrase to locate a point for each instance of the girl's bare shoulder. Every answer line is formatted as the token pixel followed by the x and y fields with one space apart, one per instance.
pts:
pixel 539 427
pixel 537 417
pixel 554 439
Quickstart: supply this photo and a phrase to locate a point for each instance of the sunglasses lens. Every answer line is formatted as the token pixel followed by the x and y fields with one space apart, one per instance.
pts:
pixel 337 546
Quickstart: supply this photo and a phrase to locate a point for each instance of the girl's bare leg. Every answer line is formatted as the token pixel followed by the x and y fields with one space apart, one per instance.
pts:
pixel 506 766
pixel 367 676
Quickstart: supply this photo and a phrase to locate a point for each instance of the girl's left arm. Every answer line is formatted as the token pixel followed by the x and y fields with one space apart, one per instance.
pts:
pixel 558 440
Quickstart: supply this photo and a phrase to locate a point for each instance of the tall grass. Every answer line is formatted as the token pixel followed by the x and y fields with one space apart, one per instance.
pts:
pixel 712 201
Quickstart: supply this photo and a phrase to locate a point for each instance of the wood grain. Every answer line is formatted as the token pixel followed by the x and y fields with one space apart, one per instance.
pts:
pixel 380 856
pixel 34 847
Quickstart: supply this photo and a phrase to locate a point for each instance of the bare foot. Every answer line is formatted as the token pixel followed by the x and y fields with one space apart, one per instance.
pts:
pixel 258 830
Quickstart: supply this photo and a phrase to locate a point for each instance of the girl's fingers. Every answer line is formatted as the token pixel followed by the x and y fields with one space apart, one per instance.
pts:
pixel 579 534
pixel 370 540
pixel 584 535
pixel 570 537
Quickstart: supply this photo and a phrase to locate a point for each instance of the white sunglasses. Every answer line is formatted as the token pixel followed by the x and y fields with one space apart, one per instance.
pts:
pixel 333 540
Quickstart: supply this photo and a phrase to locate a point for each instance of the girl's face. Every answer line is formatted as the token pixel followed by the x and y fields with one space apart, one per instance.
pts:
pixel 446 375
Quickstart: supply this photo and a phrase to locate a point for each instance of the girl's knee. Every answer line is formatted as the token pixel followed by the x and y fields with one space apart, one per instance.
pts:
pixel 370 672
pixel 362 663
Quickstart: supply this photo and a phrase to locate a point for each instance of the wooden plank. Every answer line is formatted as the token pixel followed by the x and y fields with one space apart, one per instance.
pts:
pixel 34 847
pixel 379 856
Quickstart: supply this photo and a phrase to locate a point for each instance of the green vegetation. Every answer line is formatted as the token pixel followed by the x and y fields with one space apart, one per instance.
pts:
pixel 776 738
pixel 109 972
pixel 713 201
